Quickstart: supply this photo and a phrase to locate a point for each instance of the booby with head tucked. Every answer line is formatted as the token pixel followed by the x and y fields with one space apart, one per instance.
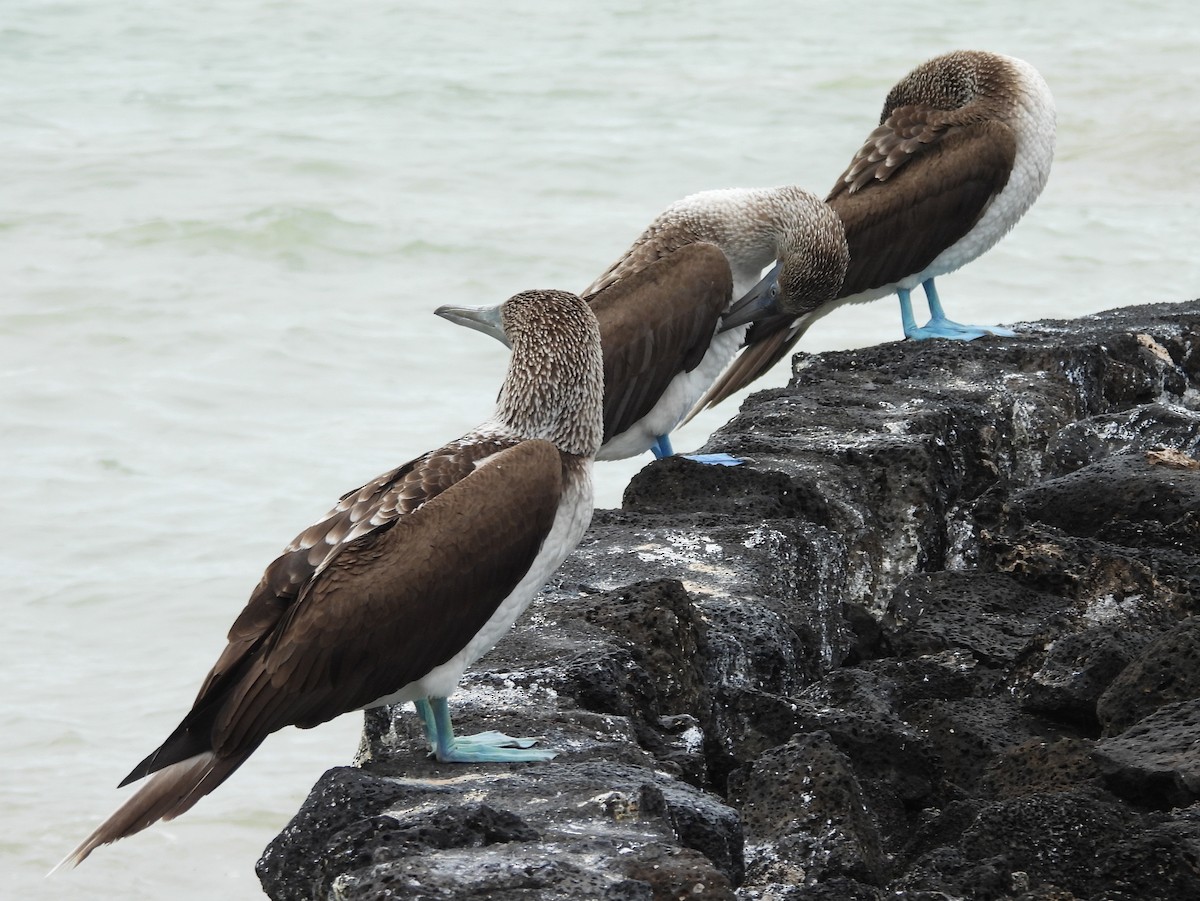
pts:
pixel 660 304
pixel 408 579
pixel 963 149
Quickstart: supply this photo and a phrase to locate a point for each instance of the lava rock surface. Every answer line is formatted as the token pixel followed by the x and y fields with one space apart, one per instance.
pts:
pixel 937 638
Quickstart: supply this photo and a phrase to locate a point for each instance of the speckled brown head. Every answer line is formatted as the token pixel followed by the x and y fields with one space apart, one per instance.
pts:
pixel 554 386
pixel 814 253
pixel 955 81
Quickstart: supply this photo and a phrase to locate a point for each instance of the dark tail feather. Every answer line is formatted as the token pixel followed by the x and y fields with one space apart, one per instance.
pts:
pixel 752 362
pixel 168 793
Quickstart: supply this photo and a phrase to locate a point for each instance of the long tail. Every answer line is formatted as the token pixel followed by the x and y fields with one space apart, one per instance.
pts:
pixel 168 793
pixel 752 362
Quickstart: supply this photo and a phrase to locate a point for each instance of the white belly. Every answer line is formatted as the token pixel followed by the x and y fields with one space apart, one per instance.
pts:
pixel 676 401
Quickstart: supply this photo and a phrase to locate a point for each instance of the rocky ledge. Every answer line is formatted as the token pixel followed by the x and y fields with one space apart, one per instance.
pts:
pixel 938 638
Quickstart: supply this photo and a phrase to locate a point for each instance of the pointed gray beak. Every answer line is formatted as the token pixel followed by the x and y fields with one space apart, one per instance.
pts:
pixel 760 301
pixel 482 319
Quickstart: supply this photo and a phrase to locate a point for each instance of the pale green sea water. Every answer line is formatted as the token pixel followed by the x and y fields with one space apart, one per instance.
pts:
pixel 223 227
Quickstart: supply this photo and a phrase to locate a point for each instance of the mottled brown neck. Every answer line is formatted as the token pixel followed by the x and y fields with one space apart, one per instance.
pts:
pixel 814 252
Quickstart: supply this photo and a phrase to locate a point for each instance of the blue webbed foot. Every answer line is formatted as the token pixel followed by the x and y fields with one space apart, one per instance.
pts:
pixel 485 747
pixel 492 739
pixel 715 459
pixel 938 325
pixel 492 747
pixel 955 331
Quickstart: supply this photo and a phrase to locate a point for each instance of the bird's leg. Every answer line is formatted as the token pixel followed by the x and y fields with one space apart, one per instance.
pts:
pixel 935 303
pixel 429 720
pixel 426 714
pixel 954 329
pixel 662 448
pixel 486 747
pixel 906 314
pixel 939 326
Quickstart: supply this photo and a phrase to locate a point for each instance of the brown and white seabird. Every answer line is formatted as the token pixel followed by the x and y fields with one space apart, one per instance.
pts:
pixel 963 149
pixel 408 579
pixel 660 304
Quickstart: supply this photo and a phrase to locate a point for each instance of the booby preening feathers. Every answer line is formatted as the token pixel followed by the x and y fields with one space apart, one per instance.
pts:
pixel 963 149
pixel 660 303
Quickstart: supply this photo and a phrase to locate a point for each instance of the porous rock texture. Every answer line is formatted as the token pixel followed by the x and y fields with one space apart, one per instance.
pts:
pixel 938 638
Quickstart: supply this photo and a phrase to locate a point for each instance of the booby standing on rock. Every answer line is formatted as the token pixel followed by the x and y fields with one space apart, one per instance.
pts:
pixel 660 304
pixel 407 580
pixel 963 149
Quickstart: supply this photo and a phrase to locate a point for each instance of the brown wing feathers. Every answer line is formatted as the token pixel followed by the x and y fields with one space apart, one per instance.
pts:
pixel 666 329
pixel 448 557
pixel 932 207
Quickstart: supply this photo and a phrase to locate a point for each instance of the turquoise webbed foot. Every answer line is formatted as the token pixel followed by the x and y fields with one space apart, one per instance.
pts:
pixel 492 747
pixel 955 331
pixel 485 747
pixel 938 325
pixel 714 459
pixel 492 739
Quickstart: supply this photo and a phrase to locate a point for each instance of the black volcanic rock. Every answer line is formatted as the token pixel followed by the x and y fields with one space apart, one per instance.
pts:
pixel 1167 670
pixel 1156 761
pixel 937 638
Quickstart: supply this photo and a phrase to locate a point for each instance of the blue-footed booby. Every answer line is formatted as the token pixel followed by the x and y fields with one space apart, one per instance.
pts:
pixel 963 149
pixel 660 304
pixel 408 579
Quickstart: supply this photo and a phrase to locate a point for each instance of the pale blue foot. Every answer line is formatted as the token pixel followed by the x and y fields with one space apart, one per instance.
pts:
pixel 662 447
pixel 955 331
pixel 715 459
pixel 492 747
pixel 486 747
pixel 938 325
pixel 492 739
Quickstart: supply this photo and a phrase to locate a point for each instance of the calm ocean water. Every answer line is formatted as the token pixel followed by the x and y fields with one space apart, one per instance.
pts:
pixel 223 228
